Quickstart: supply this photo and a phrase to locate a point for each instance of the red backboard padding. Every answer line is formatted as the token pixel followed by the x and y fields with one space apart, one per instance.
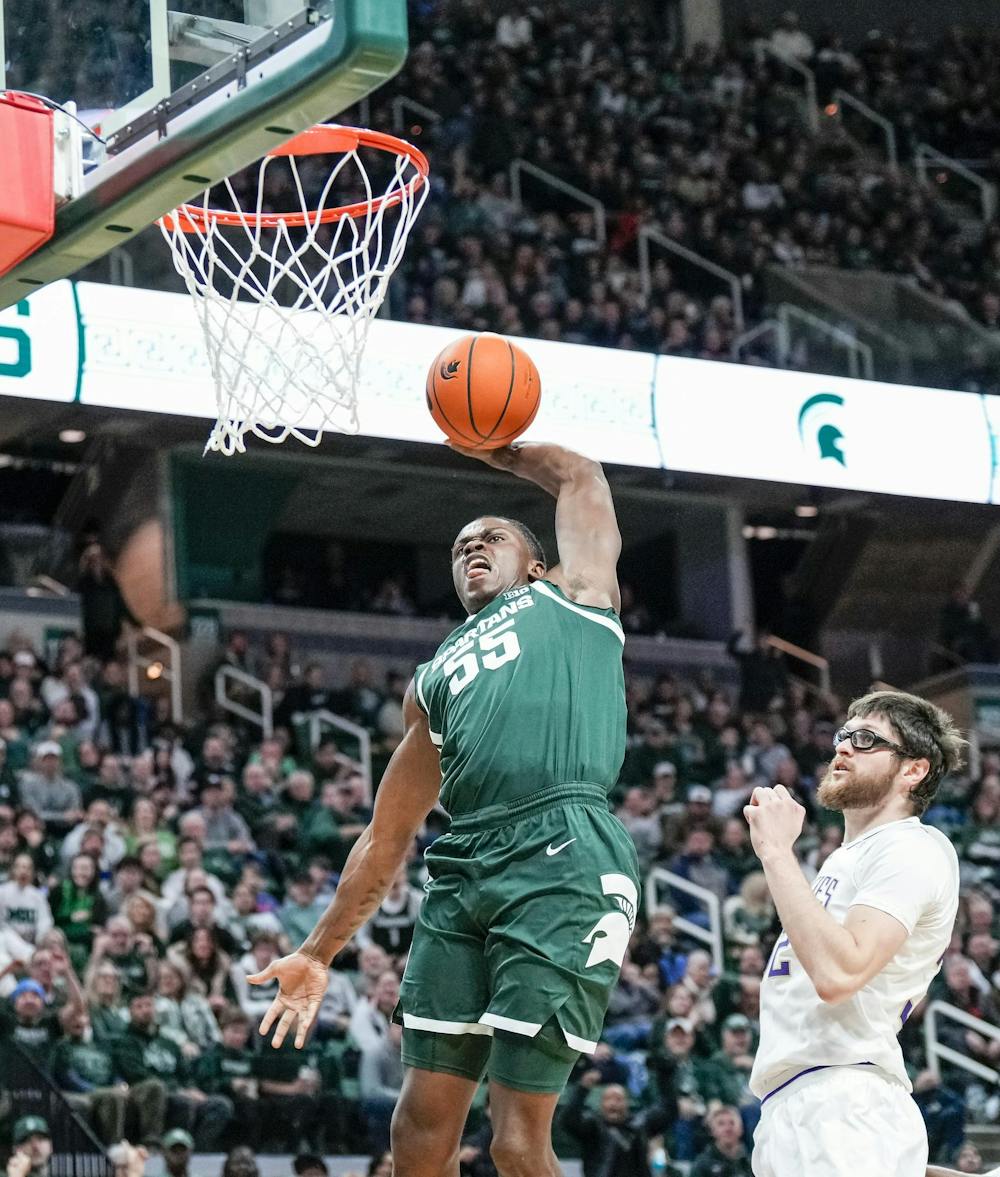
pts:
pixel 27 198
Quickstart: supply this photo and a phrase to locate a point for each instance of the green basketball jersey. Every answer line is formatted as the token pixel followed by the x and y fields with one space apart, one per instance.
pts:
pixel 527 694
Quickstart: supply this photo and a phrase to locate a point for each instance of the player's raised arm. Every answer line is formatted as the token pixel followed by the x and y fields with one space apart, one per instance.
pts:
pixel 406 795
pixel 586 528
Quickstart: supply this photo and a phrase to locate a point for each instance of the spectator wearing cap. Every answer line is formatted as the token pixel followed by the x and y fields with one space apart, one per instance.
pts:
pixel 301 911
pixel 224 828
pixel 726 1075
pixel 614 1141
pixel 143 1053
pixel 669 806
pixel 177 1146
pixel 24 909
pixel 726 1156
pixel 678 1085
pixel 48 792
pixel 698 813
pixel 28 1023
pixel 32 1153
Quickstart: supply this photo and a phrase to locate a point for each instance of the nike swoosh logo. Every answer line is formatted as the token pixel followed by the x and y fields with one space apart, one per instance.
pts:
pixel 550 849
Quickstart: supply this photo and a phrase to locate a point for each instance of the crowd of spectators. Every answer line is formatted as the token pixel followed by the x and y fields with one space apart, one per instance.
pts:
pixel 713 148
pixel 144 873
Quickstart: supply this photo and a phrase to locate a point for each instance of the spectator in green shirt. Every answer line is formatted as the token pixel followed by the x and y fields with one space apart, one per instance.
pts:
pixel 85 1073
pixel 108 1013
pixel 726 1156
pixel 230 1068
pixel 303 1107
pixel 78 907
pixel 726 1075
pixel 143 1053
pixel 27 1023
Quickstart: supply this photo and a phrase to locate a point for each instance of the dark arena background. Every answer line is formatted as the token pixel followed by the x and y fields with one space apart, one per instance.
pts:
pixel 754 251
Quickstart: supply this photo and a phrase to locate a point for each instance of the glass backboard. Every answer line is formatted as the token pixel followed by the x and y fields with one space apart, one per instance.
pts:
pixel 180 94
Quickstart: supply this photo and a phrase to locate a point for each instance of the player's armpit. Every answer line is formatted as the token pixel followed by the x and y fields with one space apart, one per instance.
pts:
pixel 878 936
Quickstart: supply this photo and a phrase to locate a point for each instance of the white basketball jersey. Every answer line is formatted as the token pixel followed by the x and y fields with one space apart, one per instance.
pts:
pixel 904 868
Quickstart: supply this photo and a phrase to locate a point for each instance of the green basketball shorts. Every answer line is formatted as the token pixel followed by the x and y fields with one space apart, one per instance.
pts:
pixel 528 914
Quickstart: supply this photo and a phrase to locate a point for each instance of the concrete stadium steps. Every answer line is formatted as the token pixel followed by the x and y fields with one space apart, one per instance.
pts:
pixel 900 579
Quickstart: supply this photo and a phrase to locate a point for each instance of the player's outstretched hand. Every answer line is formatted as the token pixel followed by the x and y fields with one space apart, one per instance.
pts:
pixel 302 982
pixel 775 819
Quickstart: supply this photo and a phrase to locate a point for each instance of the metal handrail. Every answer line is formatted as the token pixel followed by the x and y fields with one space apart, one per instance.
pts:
pixel 323 718
pixel 936 1052
pixel 264 718
pixel 808 78
pixel 647 235
pixel 169 665
pixel 791 650
pixel 711 936
pixel 48 584
pixel 925 154
pixel 767 327
pixel 401 104
pixel 518 166
pixel 860 357
pixel 842 98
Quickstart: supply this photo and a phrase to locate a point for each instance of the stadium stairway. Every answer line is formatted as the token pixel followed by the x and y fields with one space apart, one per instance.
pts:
pixel 891 599
pixel 26 1090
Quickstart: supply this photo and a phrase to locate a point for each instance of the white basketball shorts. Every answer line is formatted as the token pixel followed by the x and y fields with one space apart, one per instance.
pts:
pixel 841 1122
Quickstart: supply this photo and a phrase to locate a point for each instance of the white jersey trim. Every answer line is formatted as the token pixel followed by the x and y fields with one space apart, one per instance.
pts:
pixel 418 687
pixel 580 1044
pixel 514 1025
pixel 414 1022
pixel 544 589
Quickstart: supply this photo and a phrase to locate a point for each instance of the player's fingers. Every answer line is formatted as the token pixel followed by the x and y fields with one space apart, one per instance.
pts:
pixel 305 1021
pixel 268 1020
pixel 284 1025
pixel 781 791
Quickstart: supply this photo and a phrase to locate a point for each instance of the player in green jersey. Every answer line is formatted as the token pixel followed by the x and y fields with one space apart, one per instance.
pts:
pixel 518 723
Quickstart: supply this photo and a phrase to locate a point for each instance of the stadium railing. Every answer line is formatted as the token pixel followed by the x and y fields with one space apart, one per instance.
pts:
pixel 711 936
pixel 841 98
pixel 937 1051
pixel 860 357
pixel 320 721
pixel 159 657
pixel 649 236
pixel 820 664
pixel 927 157
pixel 262 718
pixel 519 166
pixel 76 1151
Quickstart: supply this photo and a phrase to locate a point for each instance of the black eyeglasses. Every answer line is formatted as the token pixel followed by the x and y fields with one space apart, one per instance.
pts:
pixel 865 740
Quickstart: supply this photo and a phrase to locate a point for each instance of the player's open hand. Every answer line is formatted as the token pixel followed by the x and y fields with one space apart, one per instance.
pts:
pixel 775 819
pixel 302 982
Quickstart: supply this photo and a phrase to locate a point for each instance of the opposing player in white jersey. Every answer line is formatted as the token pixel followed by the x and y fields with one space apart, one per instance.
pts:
pixel 858 949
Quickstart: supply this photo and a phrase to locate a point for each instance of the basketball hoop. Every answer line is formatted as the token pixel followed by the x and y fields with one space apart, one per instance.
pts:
pixel 285 299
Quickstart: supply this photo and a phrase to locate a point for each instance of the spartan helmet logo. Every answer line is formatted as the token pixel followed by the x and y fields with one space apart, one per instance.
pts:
pixel 609 937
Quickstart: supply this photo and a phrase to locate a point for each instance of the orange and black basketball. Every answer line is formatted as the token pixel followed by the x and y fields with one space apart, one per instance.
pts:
pixel 483 391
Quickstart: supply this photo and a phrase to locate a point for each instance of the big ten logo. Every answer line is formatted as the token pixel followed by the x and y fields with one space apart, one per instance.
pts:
pixel 15 346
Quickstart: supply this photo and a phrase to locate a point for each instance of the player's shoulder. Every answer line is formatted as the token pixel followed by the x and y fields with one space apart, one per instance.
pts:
pixel 911 842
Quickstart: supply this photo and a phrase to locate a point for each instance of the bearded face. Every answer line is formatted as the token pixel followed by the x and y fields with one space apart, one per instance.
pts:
pixel 860 784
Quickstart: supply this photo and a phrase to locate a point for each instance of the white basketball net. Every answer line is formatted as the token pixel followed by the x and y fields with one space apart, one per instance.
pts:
pixel 286 308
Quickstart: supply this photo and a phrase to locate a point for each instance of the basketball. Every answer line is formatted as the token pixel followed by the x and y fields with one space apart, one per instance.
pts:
pixel 483 391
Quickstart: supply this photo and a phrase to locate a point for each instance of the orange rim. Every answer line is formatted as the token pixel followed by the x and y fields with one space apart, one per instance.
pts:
pixel 323 139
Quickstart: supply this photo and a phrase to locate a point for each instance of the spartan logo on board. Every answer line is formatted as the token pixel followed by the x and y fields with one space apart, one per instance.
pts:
pixel 817 425
pixel 449 371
